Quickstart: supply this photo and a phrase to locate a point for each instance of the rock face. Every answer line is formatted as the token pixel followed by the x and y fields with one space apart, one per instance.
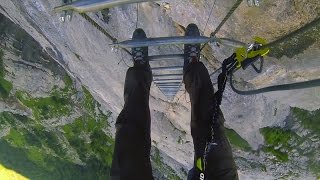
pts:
pixel 85 55
pixel 50 129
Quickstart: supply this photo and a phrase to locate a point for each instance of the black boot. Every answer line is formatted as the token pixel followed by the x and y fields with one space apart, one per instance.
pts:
pixel 140 54
pixel 191 51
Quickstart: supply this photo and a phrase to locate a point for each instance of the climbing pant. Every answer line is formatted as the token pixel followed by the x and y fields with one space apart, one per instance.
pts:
pixel 220 162
pixel 131 159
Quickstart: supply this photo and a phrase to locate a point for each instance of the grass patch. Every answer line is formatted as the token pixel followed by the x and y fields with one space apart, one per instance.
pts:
pixel 35 155
pixel 282 156
pixel 100 147
pixel 48 107
pixel 16 138
pixel 5 86
pixel 89 101
pixel 309 120
pixel 43 153
pixel 278 141
pixel 2 73
pixel 68 82
pixel 236 140
pixel 36 165
pixel 166 170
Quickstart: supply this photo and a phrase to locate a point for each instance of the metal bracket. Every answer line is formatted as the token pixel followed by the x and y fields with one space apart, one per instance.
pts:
pixel 253 3
pixel 66 15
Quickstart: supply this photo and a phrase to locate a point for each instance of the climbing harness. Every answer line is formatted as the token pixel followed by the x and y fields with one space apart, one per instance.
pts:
pixel 242 58
pixel 255 52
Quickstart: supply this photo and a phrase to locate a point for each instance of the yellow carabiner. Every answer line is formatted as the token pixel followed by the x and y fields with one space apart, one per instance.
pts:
pixel 243 53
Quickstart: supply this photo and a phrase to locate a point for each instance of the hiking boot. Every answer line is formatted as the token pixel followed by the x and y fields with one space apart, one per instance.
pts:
pixel 191 51
pixel 140 54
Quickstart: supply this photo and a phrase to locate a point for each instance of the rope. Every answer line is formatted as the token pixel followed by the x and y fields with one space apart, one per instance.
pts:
pixel 215 71
pixel 282 87
pixel 103 31
pixel 205 27
pixel 312 27
pixel 137 15
pixel 233 8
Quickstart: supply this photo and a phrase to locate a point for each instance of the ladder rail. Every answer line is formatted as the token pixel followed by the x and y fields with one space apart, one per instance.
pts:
pixel 94 5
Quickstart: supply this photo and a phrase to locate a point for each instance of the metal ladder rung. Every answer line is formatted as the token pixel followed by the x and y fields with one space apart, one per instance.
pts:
pixel 94 5
pixel 170 92
pixel 163 87
pixel 163 41
pixel 167 75
pixel 168 83
pixel 166 57
pixel 172 68
pixel 176 79
pixel 169 87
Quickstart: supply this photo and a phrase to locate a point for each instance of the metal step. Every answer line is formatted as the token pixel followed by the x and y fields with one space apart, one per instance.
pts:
pixel 171 68
pixel 158 80
pixel 166 57
pixel 163 41
pixel 94 5
pixel 167 75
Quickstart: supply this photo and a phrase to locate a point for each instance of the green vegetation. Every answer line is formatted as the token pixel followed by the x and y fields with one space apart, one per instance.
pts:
pixel 57 105
pixel 101 145
pixel 5 86
pixel 314 166
pixel 180 141
pixel 36 165
pixel 250 164
pixel 309 120
pixel 44 153
pixel 89 102
pixel 297 41
pixel 236 140
pixel 166 170
pixel 16 137
pixel 278 141
pixel 1 64
pixel 48 107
